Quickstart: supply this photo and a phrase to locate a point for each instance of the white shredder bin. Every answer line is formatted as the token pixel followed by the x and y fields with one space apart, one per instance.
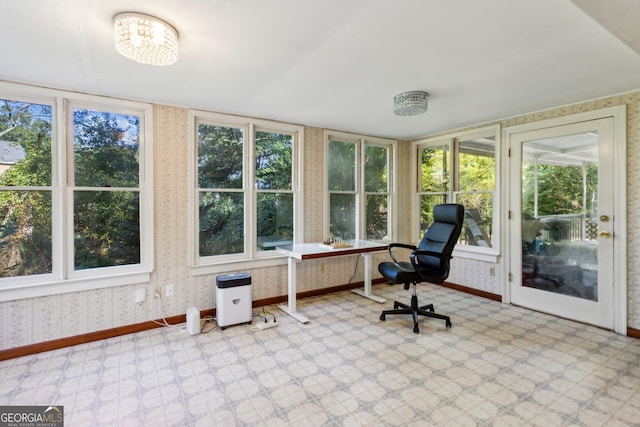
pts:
pixel 233 299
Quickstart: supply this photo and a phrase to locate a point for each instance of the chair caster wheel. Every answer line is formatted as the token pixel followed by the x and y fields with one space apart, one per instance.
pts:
pixel 415 329
pixel 382 317
pixel 448 323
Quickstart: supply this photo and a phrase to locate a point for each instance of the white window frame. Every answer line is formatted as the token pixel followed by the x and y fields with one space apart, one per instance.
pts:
pixel 362 141
pixel 63 278
pixel 463 251
pixel 251 257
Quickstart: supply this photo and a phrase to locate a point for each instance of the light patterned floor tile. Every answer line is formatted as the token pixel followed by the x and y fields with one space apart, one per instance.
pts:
pixel 498 366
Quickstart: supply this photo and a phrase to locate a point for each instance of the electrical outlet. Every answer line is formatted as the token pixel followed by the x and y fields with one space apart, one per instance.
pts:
pixel 140 296
pixel 157 294
pixel 492 271
pixel 168 290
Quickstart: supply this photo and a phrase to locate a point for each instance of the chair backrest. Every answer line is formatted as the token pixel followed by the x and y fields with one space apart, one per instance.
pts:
pixel 441 237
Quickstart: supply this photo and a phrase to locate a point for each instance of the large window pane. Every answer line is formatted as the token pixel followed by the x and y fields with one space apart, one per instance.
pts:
pixel 275 220
pixel 273 161
pixel 25 216
pixel 25 144
pixel 221 223
pixel 377 219
pixel 106 149
pixel 460 170
pixel 427 203
pixel 358 188
pixel 476 183
pixel 342 166
pixel 245 187
pixel 106 228
pixel 25 233
pixel 98 189
pixel 478 219
pixel 220 156
pixel 375 169
pixel 435 163
pixel 477 165
pixel 342 216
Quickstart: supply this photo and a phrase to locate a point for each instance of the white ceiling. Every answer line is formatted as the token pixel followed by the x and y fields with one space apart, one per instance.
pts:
pixel 337 64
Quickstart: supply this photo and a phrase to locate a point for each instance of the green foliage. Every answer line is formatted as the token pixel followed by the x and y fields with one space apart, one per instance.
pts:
pixel 106 228
pixel 376 181
pixel 341 160
pixel 25 216
pixel 435 166
pixel 221 223
pixel 475 180
pixel 274 169
pixel 273 161
pixel 220 153
pixel 342 185
pixel 220 166
pixel 560 189
pixel 106 224
pixel 105 149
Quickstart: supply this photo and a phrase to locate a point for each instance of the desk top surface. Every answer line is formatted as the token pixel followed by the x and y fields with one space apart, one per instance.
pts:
pixel 314 250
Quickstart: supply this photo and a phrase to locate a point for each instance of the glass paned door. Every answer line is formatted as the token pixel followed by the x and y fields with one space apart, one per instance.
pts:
pixel 563 230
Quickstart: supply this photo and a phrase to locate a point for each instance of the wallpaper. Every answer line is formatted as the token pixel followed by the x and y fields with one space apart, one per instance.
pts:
pixel 41 319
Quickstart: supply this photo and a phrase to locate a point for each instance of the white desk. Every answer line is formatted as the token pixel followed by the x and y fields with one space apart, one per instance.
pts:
pixel 303 251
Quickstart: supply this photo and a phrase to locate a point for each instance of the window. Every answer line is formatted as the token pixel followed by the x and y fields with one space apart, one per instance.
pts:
pixel 74 201
pixel 104 179
pixel 246 187
pixel 460 169
pixel 359 187
pixel 26 189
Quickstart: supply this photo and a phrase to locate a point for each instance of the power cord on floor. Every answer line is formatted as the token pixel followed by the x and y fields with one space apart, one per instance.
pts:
pixel 265 315
pixel 164 319
pixel 209 323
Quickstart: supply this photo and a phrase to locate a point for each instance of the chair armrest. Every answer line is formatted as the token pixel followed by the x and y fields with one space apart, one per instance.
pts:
pixel 419 252
pixel 399 245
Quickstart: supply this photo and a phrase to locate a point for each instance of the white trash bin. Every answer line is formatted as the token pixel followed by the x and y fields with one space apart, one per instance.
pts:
pixel 233 299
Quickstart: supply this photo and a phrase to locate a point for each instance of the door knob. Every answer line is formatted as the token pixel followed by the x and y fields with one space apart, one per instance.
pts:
pixel 605 234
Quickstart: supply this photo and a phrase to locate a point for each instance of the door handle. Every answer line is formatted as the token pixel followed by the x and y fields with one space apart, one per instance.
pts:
pixel 605 234
pixel 604 218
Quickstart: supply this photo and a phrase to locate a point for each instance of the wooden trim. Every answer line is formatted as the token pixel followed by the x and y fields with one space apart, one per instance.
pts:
pixel 145 326
pixel 472 291
pixel 176 320
pixel 633 333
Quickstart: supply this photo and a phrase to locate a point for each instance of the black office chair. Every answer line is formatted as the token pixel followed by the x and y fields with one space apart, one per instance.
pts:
pixel 429 261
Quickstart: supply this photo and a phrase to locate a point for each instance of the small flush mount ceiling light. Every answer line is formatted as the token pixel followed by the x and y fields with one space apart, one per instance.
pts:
pixel 145 39
pixel 410 103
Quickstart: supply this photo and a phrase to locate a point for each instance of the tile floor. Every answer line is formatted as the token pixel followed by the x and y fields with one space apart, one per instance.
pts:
pixel 498 366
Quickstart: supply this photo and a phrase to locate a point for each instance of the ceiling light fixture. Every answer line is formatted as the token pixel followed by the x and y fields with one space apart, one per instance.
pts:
pixel 410 103
pixel 145 39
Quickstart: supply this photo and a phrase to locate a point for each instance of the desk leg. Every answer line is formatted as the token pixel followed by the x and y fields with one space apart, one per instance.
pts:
pixel 293 285
pixel 367 281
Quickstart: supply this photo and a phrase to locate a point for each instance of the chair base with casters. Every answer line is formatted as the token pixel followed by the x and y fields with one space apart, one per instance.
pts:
pixel 415 311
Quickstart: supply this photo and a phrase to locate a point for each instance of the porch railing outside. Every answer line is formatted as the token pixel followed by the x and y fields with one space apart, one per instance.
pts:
pixel 570 227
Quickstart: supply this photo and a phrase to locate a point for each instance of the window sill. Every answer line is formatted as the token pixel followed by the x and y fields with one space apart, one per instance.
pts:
pixel 476 255
pixel 237 265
